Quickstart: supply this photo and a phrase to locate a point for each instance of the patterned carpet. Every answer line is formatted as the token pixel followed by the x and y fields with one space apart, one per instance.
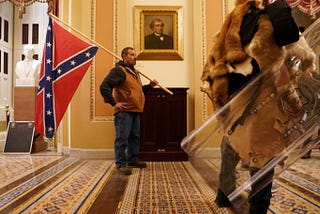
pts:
pixel 13 168
pixel 168 187
pixel 56 184
pixel 296 190
pixel 177 187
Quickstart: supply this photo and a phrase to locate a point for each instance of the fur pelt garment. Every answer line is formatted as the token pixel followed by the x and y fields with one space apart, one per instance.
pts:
pixel 260 131
pixel 226 49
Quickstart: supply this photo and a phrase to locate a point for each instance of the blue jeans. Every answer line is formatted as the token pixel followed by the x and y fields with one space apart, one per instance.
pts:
pixel 127 142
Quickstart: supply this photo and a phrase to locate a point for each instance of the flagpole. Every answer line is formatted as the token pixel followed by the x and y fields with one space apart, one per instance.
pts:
pixel 105 49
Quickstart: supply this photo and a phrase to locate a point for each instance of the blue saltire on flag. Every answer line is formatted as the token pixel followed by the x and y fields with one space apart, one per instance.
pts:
pixel 66 59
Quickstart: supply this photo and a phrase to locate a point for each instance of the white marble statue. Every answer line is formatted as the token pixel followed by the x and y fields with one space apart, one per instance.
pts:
pixel 28 70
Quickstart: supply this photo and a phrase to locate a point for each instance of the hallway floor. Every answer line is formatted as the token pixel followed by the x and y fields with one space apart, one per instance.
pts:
pixel 60 184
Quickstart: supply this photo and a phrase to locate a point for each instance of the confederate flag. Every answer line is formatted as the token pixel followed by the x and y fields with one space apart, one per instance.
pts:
pixel 65 61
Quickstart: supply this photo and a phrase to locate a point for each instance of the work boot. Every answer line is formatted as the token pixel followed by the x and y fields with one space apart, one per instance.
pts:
pixel 124 170
pixel 222 200
pixel 137 164
pixel 307 155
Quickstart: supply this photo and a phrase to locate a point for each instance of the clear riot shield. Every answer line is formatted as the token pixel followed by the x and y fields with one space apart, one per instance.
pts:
pixel 269 127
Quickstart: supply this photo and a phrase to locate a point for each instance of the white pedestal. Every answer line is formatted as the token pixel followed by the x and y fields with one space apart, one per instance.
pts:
pixel 22 82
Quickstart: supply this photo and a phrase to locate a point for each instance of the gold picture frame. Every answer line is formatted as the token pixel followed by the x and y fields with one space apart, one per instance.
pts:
pixel 171 17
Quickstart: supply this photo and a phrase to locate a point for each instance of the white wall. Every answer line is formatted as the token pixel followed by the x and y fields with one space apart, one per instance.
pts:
pixel 6 11
pixel 35 14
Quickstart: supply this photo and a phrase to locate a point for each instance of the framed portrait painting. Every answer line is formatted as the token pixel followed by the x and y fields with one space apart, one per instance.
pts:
pixel 158 32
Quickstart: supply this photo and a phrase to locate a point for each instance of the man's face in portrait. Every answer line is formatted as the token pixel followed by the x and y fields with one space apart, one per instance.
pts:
pixel 158 27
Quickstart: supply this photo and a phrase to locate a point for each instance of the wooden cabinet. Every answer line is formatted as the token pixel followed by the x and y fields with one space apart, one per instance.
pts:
pixel 164 125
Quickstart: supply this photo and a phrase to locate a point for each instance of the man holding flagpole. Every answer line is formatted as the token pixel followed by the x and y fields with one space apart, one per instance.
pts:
pixel 122 88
